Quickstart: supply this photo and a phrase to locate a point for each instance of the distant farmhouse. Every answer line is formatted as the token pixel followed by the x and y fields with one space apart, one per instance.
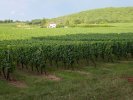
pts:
pixel 52 25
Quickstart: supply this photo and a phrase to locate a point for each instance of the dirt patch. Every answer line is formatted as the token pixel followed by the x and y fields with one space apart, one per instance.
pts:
pixel 84 73
pixel 126 61
pixel 80 72
pixel 53 77
pixel 50 77
pixel 42 76
pixel 18 84
pixel 129 79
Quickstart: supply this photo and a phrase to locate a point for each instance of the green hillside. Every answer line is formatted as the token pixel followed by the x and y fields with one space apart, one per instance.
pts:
pixel 104 15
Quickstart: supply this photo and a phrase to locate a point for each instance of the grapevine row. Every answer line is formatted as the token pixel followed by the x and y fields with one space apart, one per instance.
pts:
pixel 38 57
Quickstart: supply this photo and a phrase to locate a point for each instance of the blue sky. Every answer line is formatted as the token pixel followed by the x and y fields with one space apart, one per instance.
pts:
pixel 34 9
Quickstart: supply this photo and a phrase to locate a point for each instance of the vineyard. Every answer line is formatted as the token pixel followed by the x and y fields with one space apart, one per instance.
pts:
pixel 83 55
pixel 65 51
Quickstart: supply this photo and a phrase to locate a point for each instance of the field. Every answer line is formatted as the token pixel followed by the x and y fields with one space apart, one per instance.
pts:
pixel 106 82
pixel 12 32
pixel 92 63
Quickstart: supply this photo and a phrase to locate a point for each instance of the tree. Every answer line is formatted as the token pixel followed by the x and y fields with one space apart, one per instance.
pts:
pixel 67 23
pixel 77 21
pixel 43 22
pixel 36 21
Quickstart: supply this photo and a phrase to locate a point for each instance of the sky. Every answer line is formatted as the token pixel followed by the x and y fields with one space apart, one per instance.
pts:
pixel 35 9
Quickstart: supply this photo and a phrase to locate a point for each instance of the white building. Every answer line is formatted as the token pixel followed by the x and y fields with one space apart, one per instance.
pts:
pixel 53 25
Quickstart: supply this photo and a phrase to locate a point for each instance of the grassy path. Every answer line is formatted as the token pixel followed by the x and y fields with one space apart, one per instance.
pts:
pixel 106 82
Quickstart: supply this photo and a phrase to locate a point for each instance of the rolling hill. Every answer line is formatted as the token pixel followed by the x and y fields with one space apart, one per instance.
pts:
pixel 103 15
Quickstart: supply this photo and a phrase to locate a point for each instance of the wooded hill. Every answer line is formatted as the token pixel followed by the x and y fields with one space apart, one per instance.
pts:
pixel 99 16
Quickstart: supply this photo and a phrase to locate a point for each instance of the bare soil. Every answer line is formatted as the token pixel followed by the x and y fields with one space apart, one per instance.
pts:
pixel 18 84
pixel 80 72
pixel 129 79
pixel 50 77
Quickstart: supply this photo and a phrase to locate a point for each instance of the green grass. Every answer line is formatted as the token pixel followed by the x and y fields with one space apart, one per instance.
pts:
pixel 11 32
pixel 102 83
